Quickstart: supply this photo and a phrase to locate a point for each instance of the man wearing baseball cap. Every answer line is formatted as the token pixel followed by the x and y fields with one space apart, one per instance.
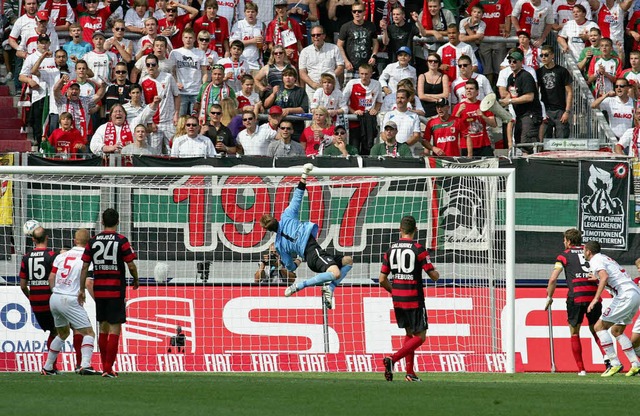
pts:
pixel 389 147
pixel 275 117
pixel 522 93
pixel 339 145
pixel 397 71
pixel 443 135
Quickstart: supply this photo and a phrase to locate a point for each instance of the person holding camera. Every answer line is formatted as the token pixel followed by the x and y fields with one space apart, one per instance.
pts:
pixel 270 269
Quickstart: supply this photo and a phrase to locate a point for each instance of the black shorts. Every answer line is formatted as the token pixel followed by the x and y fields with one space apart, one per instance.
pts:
pixel 577 311
pixel 111 310
pixel 45 320
pixel 415 320
pixel 319 260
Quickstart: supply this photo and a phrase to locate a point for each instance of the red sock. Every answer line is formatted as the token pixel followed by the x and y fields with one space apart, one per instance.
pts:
pixel 77 346
pixel 102 344
pixel 112 351
pixel 576 347
pixel 408 348
pixel 52 336
pixel 408 359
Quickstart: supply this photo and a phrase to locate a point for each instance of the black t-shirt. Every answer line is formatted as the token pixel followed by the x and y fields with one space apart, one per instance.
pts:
pixel 552 86
pixel 401 36
pixel 358 42
pixel 223 133
pixel 116 94
pixel 292 98
pixel 519 85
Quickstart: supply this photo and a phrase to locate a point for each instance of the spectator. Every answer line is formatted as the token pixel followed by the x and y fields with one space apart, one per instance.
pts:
pixel 42 28
pixel 497 18
pixel 618 105
pixel 397 71
pixel 135 105
pixel 444 133
pixel 230 116
pixel 633 30
pixel 451 51
pixel 76 47
pixel 66 139
pixel 557 100
pixel 399 33
pixel 135 17
pixel 218 133
pixel 254 142
pixel 535 17
pixel 331 98
pixel 119 91
pixel 524 97
pixel 408 122
pixel 70 101
pixel 435 21
pixel 291 98
pixel 247 98
pixel 284 31
pixel 633 74
pixel 112 136
pixel 145 45
pixel 217 26
pixel 458 86
pixel 610 19
pixel 317 59
pixel 212 93
pixel 358 42
pixel 117 44
pixel 21 30
pixel 270 75
pixel 251 33
pixel 61 13
pixel 274 118
pixel 165 65
pixel 271 270
pixel 99 61
pixel 389 147
pixel 630 139
pixel 339 13
pixel 531 53
pixel 364 97
pixel 160 9
pixel 92 18
pixel 204 39
pixel 474 123
pixel 472 28
pixel 604 69
pixel 304 12
pixel 432 85
pixel 285 147
pixel 163 85
pixel 190 71
pixel 563 11
pixel 139 145
pixel 192 144
pixel 173 25
pixel 234 66
pixel 156 139
pixel 414 105
pixel 318 135
pixel 575 33
pixel 338 146
pixel 230 10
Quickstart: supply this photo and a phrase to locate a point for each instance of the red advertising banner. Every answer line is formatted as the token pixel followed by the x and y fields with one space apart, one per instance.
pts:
pixel 253 328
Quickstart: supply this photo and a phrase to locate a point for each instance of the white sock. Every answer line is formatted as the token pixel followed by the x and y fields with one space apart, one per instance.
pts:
pixel 627 347
pixel 54 350
pixel 87 351
pixel 607 345
pixel 637 350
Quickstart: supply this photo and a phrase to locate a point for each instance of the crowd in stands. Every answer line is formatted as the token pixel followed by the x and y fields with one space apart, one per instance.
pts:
pixel 314 77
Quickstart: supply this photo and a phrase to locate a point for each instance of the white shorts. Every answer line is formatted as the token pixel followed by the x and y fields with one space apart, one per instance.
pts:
pixel 67 311
pixel 622 309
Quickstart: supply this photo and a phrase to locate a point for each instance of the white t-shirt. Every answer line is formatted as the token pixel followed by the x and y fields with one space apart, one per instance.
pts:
pixel 238 69
pixel 67 267
pixel 199 146
pixel 256 144
pixel 459 84
pixel 189 64
pixel 619 281
pixel 620 114
pixel 408 124
pixel 571 31
pixel 132 18
pixel 242 31
pixel 48 64
pixel 102 64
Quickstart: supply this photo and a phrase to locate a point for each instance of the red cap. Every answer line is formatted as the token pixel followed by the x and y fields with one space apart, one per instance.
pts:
pixel 42 16
pixel 275 110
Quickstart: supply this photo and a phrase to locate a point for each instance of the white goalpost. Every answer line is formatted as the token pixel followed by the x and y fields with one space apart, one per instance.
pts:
pixel 202 306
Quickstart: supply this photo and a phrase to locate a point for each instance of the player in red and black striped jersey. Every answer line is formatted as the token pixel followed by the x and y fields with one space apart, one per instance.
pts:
pixel 406 259
pixel 34 281
pixel 109 252
pixel 580 294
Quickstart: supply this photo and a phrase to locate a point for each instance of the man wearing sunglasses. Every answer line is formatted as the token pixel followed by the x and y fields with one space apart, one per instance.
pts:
pixel 618 105
pixel 220 135
pixel 173 25
pixel 217 26
pixel 285 147
pixel 358 42
pixel 192 144
pixel 256 142
pixel 465 73
pixel 319 58
pixel 118 92
pixel 339 145
pixel 556 92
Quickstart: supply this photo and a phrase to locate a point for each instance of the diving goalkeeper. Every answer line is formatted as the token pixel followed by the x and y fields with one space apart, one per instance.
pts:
pixel 295 238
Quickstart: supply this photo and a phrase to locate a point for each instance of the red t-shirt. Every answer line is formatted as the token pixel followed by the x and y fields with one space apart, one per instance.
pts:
pixel 473 125
pixel 311 144
pixel 66 141
pixel 447 135
pixel 179 24
pixel 495 14
pixel 219 29
pixel 274 35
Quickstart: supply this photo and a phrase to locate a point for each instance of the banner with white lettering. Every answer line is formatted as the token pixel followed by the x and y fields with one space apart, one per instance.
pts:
pixel 603 201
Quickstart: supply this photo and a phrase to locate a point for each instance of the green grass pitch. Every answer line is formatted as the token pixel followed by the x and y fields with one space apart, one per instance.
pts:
pixel 310 394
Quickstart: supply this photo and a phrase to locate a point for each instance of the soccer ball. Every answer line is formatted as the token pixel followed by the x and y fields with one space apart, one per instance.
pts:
pixel 161 272
pixel 29 227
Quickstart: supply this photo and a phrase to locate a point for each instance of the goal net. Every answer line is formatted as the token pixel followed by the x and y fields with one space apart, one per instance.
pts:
pixel 204 303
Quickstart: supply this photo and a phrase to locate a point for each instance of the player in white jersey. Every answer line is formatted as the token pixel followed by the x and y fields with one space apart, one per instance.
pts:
pixel 620 313
pixel 65 283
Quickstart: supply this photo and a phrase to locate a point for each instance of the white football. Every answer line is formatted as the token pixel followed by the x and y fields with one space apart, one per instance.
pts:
pixel 29 227
pixel 161 272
